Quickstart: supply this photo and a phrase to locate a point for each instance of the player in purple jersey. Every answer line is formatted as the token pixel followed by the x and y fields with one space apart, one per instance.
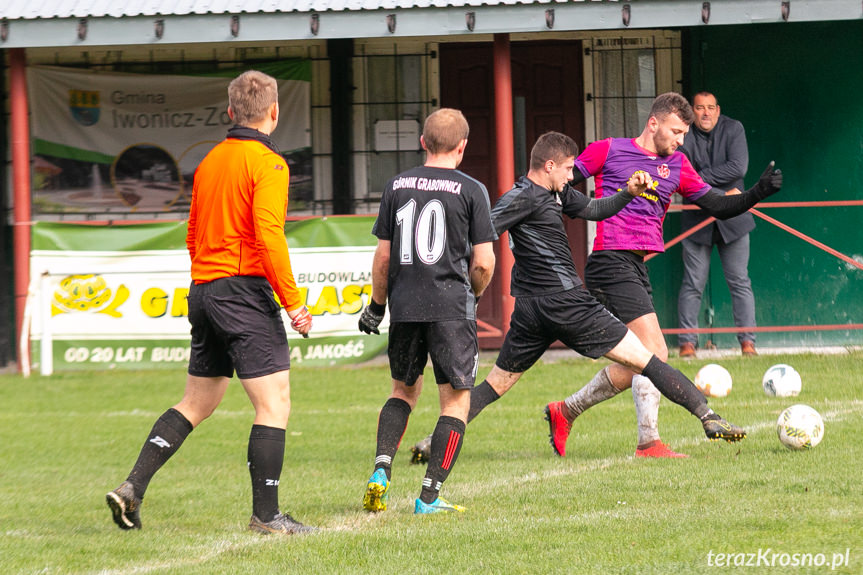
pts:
pixel 551 303
pixel 433 260
pixel 615 273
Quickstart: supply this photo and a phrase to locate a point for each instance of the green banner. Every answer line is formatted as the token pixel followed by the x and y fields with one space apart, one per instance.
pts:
pixel 329 231
pixel 308 233
pixel 49 236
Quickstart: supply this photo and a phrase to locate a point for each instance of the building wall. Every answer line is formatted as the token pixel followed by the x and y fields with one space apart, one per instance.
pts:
pixel 796 88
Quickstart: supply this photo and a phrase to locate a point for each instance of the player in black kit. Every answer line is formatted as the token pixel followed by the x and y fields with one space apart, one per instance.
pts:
pixel 551 302
pixel 433 260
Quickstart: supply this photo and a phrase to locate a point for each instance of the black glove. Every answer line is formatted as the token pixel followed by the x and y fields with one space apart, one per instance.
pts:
pixel 770 181
pixel 372 317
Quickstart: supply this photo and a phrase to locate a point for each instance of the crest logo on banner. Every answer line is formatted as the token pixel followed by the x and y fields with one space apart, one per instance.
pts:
pixel 84 106
pixel 88 293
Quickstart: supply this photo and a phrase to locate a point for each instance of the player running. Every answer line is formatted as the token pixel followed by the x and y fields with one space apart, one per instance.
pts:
pixel 551 302
pixel 615 271
pixel 433 260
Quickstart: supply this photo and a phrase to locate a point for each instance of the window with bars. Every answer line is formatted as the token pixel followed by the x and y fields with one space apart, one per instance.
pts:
pixel 623 74
pixel 397 89
pixel 627 74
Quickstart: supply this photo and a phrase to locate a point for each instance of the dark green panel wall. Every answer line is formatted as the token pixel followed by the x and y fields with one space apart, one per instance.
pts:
pixel 798 89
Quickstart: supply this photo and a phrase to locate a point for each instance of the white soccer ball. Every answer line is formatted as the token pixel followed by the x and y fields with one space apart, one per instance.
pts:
pixel 713 380
pixel 781 381
pixel 800 427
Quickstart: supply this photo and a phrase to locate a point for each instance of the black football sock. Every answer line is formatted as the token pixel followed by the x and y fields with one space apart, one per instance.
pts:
pixel 480 396
pixel 266 455
pixel 392 422
pixel 676 387
pixel 445 446
pixel 166 437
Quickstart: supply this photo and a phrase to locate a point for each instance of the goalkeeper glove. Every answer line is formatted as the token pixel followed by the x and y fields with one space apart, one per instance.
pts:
pixel 770 181
pixel 372 317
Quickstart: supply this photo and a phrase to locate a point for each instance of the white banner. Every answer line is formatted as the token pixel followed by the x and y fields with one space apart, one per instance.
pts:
pixel 127 306
pixel 131 142
pixel 104 295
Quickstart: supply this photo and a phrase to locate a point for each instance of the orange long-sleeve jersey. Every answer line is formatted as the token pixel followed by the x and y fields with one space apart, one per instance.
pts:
pixel 237 218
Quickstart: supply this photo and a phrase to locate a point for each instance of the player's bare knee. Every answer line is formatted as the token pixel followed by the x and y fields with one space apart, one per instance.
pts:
pixel 407 393
pixel 272 414
pixel 619 376
pixel 632 355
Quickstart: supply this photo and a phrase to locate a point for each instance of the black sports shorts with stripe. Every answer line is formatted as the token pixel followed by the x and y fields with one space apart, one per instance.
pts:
pixel 451 344
pixel 574 317
pixel 236 325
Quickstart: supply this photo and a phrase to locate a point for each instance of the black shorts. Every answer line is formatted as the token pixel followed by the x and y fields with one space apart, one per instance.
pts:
pixel 574 317
pixel 619 280
pixel 452 346
pixel 236 324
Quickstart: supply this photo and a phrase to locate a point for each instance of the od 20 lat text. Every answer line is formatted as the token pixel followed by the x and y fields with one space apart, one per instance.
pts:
pixel 120 354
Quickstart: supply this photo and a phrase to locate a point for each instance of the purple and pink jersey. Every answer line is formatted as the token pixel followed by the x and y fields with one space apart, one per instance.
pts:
pixel 638 226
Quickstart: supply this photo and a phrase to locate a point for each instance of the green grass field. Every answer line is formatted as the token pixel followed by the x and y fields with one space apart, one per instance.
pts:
pixel 68 439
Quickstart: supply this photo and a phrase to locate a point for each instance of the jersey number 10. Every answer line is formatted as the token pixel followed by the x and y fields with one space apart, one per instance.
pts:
pixel 430 237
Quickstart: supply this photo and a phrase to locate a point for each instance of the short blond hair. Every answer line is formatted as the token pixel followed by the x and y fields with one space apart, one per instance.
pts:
pixel 250 96
pixel 444 130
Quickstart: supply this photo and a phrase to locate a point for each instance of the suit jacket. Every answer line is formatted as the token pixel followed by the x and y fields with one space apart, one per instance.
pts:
pixel 720 157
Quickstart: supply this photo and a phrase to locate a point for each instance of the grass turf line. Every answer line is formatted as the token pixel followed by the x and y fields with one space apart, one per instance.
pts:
pixel 68 439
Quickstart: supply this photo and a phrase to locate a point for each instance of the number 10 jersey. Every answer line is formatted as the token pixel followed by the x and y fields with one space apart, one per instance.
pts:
pixel 432 217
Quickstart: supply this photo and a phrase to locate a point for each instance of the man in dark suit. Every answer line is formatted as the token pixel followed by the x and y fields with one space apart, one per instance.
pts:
pixel 716 147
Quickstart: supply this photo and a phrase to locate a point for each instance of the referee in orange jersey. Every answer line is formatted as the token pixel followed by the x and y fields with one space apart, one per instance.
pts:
pixel 239 256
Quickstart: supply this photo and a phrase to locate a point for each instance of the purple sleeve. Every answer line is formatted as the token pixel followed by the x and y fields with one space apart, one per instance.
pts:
pixel 591 160
pixel 691 185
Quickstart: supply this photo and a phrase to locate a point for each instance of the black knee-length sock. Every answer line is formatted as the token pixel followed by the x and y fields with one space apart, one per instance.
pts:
pixel 676 387
pixel 166 437
pixel 445 446
pixel 266 456
pixel 480 397
pixel 392 422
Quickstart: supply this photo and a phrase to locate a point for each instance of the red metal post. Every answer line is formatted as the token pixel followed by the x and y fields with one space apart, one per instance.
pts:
pixel 505 159
pixel 20 141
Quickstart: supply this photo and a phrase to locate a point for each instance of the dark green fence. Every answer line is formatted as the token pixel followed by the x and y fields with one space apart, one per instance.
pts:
pixel 798 89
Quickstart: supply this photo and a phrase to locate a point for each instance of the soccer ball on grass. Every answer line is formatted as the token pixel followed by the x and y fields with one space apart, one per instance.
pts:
pixel 800 427
pixel 713 380
pixel 781 380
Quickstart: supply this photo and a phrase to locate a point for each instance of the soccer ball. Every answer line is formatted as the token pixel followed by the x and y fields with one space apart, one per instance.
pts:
pixel 713 380
pixel 781 381
pixel 800 427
